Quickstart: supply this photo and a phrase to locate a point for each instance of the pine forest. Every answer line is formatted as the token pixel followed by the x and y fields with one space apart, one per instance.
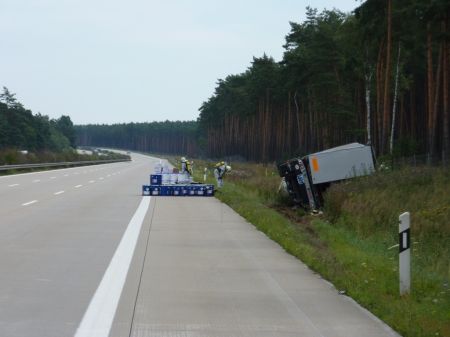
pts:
pixel 378 75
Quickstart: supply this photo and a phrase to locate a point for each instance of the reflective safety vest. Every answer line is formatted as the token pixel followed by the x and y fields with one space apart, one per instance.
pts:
pixel 221 169
pixel 186 167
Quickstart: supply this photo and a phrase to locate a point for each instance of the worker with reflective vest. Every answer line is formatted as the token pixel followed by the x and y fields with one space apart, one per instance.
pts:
pixel 186 166
pixel 219 171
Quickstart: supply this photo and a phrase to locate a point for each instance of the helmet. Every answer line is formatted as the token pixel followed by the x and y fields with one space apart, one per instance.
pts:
pixel 183 159
pixel 228 168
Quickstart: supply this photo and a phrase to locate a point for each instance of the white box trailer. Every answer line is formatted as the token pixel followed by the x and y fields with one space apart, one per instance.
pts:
pixel 340 163
pixel 308 177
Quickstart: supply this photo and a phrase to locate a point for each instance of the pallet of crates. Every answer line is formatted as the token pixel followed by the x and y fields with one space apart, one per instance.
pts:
pixel 175 184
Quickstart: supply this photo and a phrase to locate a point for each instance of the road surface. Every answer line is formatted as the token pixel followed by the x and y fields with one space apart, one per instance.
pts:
pixel 82 253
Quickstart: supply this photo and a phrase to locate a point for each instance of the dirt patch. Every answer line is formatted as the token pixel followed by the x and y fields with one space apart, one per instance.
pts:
pixel 304 223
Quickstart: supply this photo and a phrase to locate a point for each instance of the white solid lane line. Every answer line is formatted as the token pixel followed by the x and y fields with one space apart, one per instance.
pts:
pixel 12 185
pixel 78 186
pixel 57 193
pixel 29 202
pixel 98 318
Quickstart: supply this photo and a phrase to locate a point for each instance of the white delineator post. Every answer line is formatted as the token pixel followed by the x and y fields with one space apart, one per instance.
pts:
pixel 404 253
pixel 205 172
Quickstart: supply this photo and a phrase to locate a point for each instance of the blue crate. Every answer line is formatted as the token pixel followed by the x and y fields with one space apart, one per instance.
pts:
pixel 195 190
pixel 184 190
pixel 191 190
pixel 200 190
pixel 145 190
pixel 155 179
pixel 209 190
pixel 155 190
pixel 177 191
pixel 166 190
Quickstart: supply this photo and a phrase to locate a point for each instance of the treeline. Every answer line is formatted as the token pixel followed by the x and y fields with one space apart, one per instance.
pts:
pixel 21 130
pixel 157 137
pixel 379 75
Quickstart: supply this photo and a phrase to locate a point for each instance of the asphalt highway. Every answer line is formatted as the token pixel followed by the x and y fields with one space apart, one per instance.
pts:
pixel 58 232
pixel 83 254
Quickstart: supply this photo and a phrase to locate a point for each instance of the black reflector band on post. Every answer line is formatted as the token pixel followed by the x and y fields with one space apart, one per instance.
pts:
pixel 404 240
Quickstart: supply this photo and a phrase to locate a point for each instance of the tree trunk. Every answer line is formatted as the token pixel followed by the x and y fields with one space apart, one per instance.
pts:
pixel 430 91
pixel 378 118
pixel 386 100
pixel 394 103
pixel 298 119
pixel 368 120
pixel 435 103
pixel 289 123
pixel 311 122
pixel 445 107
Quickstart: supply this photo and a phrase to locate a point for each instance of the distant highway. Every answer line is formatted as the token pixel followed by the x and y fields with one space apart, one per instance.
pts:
pixel 83 254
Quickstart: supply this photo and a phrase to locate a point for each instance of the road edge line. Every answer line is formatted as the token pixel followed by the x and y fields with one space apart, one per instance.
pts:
pixel 98 318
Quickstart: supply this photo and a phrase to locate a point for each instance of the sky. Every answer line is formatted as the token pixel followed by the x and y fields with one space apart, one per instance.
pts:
pixel 109 61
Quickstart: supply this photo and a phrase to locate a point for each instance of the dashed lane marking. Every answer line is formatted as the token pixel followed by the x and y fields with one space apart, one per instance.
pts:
pixel 29 202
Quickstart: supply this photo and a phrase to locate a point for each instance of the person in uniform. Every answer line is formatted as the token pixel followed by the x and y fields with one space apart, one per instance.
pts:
pixel 220 170
pixel 186 166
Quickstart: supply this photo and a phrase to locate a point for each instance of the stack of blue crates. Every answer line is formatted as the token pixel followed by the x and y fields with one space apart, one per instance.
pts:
pixel 157 188
pixel 155 179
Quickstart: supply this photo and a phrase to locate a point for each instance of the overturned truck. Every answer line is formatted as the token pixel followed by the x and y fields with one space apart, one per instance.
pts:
pixel 307 178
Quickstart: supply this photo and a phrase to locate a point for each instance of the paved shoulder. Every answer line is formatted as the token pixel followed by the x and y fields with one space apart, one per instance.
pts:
pixel 201 270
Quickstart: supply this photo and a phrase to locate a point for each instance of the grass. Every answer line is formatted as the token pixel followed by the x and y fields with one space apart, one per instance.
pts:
pixel 349 244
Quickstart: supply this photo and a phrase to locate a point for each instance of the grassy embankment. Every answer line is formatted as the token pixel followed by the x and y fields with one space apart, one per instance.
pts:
pixel 350 243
